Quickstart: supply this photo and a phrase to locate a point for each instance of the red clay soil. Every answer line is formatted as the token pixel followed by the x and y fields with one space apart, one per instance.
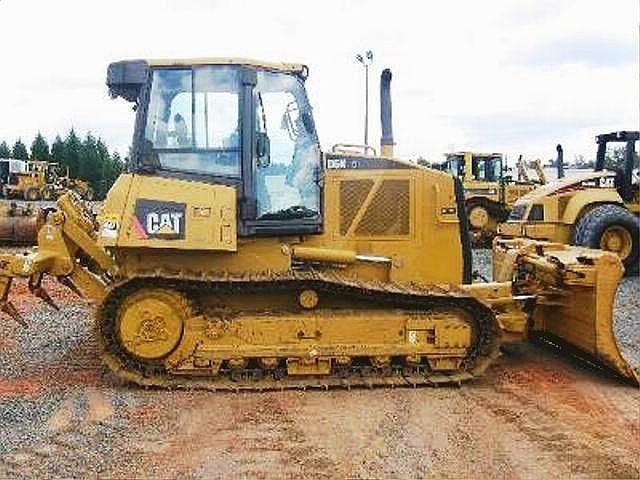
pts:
pixel 535 414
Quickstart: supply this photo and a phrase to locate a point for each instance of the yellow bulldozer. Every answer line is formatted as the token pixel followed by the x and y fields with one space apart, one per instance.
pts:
pixel 63 182
pixel 489 193
pixel 234 254
pixel 596 209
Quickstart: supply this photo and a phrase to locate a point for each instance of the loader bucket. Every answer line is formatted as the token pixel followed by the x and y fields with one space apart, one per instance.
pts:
pixel 574 290
pixel 19 225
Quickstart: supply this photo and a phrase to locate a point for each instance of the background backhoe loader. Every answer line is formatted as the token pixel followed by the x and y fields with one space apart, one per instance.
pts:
pixel 234 254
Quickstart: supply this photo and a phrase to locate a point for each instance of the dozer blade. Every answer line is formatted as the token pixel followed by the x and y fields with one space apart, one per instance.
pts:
pixel 574 289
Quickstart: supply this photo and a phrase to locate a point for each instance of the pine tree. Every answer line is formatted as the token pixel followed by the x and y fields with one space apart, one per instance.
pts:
pixel 58 152
pixel 95 156
pixel 40 149
pixel 113 169
pixel 20 151
pixel 88 159
pixel 88 162
pixel 615 158
pixel 100 184
pixel 5 151
pixel 72 148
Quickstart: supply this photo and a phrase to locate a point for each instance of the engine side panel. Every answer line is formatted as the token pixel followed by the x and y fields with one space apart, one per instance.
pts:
pixel 156 212
pixel 408 215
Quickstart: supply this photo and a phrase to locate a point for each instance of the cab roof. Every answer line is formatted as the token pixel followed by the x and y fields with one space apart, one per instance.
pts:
pixel 476 154
pixel 187 62
pixel 125 78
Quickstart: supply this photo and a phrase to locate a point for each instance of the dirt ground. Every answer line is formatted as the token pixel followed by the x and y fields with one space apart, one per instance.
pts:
pixel 536 414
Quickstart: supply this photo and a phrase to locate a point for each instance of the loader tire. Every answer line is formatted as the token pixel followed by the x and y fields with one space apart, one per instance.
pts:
pixel 611 227
pixel 483 218
pixel 32 194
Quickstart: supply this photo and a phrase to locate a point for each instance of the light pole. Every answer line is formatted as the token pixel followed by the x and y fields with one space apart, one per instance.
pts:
pixel 366 59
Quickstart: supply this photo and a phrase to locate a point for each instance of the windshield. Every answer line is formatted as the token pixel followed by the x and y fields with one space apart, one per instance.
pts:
pixel 455 165
pixel 286 185
pixel 193 119
pixel 487 169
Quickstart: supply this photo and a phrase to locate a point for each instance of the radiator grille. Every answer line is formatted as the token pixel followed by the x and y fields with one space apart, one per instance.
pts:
pixel 388 213
pixel 352 196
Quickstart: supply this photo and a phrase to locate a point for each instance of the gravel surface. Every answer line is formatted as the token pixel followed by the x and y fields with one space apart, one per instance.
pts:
pixel 536 414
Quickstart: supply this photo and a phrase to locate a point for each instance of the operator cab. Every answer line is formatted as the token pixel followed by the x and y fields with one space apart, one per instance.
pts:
pixel 232 122
pixel 620 160
pixel 483 167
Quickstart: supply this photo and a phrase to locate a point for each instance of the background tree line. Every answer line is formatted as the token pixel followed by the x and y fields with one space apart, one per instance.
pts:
pixel 87 159
pixel 613 159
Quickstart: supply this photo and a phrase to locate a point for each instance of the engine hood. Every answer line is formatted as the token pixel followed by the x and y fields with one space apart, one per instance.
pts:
pixel 577 181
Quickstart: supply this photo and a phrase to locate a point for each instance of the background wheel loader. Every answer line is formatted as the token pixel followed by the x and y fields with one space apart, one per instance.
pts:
pixel 42 180
pixel 596 209
pixel 489 193
pixel 234 254
pixel 34 183
pixel 31 181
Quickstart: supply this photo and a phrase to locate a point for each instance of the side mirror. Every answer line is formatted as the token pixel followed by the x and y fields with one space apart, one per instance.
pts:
pixel 263 150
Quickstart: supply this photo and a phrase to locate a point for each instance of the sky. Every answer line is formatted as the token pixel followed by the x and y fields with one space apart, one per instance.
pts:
pixel 516 77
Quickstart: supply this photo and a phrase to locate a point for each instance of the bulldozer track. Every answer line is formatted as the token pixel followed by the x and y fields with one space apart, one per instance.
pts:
pixel 253 377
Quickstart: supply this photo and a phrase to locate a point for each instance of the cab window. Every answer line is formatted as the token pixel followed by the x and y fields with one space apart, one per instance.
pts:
pixel 193 120
pixel 455 165
pixel 487 169
pixel 287 185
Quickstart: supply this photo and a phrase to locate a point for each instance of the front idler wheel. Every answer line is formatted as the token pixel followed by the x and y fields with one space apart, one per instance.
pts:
pixel 151 323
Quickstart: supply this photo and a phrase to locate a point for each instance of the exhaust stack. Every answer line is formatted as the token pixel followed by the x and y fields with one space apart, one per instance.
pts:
pixel 560 161
pixel 386 142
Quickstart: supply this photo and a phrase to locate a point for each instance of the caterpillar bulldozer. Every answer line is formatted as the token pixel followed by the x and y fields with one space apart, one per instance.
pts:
pixel 63 182
pixel 596 209
pixel 234 254
pixel 489 193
